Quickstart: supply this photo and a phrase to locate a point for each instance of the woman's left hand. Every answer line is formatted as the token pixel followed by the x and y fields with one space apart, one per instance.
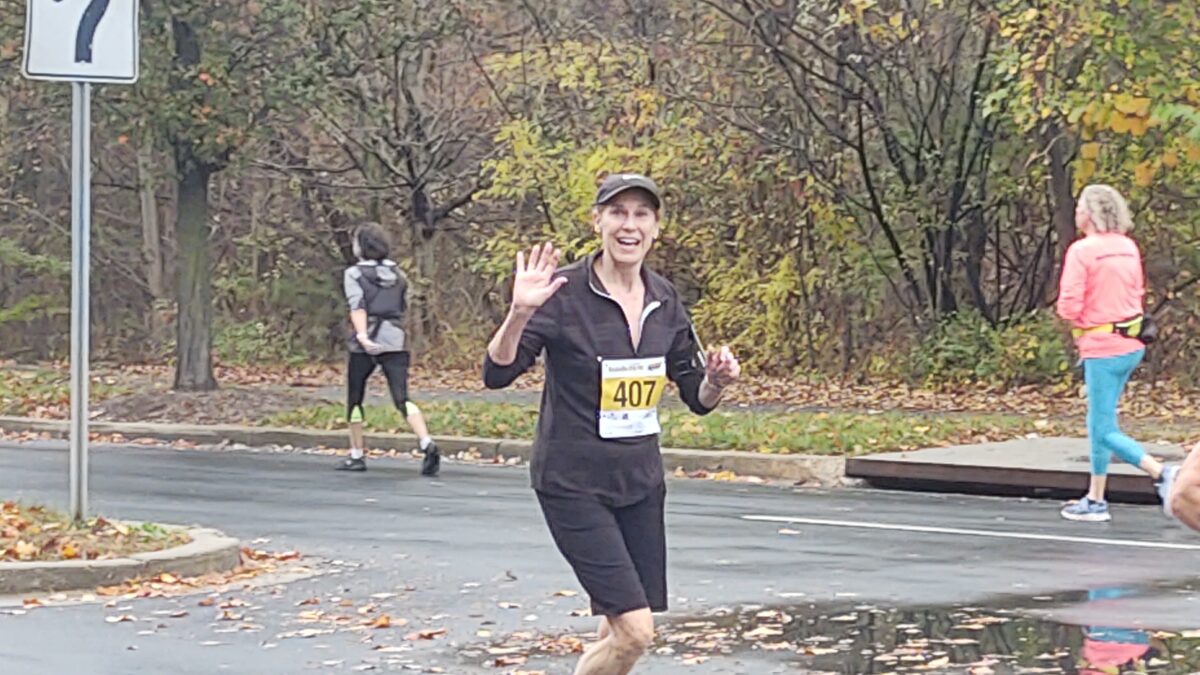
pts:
pixel 722 368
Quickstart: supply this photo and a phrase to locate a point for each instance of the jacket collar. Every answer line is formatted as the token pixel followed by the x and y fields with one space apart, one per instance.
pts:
pixel 656 290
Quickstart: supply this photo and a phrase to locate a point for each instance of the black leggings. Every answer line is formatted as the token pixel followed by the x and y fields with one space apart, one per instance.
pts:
pixel 395 369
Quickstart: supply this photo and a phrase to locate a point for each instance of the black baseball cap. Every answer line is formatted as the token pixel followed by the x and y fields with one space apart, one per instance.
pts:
pixel 617 183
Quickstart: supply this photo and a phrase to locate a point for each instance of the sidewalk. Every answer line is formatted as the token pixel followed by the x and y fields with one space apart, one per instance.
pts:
pixel 1039 467
pixel 1034 467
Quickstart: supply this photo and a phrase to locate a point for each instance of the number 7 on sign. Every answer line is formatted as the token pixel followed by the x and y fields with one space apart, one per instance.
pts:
pixel 87 29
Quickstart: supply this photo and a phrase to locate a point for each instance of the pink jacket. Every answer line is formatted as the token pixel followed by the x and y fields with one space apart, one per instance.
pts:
pixel 1102 283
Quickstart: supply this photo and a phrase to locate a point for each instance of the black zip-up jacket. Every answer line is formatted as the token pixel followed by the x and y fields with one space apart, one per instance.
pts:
pixel 579 327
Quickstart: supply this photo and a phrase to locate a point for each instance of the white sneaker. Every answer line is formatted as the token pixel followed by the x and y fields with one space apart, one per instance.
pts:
pixel 1164 484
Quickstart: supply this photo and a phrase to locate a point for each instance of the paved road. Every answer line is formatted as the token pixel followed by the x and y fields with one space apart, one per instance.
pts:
pixel 454 549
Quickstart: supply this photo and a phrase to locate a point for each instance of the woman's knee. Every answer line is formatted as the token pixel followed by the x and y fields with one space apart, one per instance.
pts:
pixel 1103 424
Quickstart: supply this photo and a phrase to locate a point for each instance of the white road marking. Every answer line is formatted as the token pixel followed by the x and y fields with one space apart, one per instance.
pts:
pixel 996 534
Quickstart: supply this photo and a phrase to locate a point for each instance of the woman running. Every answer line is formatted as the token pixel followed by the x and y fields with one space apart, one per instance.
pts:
pixel 377 293
pixel 1101 295
pixel 614 333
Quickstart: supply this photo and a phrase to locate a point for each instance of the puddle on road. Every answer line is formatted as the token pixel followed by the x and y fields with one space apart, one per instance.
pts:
pixel 870 640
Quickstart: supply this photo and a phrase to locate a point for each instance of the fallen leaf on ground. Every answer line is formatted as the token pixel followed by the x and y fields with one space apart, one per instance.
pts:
pixel 427 634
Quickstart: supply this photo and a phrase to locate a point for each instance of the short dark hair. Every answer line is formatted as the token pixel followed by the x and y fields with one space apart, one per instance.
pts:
pixel 373 241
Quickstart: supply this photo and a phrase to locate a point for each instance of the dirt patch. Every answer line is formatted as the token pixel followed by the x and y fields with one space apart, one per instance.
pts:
pixel 227 405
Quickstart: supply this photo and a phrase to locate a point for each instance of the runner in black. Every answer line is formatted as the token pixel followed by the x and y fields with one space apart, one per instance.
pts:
pixel 377 293
pixel 614 333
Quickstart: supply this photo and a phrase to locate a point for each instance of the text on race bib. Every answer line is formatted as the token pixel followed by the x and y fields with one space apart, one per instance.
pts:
pixel 630 390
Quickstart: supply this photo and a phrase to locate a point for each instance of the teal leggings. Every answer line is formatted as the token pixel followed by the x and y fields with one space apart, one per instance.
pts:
pixel 1106 380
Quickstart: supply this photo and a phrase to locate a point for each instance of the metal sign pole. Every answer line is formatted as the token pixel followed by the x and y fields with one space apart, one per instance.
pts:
pixel 81 42
pixel 81 228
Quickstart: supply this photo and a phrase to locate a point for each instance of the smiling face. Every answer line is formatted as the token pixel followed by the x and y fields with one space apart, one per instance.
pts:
pixel 628 226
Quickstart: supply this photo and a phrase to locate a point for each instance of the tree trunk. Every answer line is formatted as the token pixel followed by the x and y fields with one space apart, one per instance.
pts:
pixel 4 129
pixel 260 260
pixel 151 235
pixel 193 318
pixel 193 368
pixel 1062 199
pixel 425 242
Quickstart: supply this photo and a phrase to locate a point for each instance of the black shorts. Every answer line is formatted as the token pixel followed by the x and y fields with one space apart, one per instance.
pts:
pixel 619 554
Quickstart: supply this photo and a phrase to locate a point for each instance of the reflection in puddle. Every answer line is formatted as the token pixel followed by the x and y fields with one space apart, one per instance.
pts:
pixel 869 640
pixel 1108 649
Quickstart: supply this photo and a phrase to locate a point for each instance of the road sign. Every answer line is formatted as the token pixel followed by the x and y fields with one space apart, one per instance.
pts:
pixel 81 40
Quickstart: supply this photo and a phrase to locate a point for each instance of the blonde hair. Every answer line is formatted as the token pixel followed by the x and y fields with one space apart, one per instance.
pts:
pixel 1107 208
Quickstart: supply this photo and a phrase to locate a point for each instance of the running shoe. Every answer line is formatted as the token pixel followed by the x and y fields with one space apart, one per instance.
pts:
pixel 1087 510
pixel 1164 484
pixel 432 462
pixel 351 464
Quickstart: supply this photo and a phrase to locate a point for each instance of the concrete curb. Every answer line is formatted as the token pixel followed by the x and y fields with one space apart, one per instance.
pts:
pixel 822 469
pixel 209 551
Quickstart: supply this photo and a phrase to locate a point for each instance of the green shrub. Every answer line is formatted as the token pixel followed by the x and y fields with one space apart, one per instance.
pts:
pixel 965 347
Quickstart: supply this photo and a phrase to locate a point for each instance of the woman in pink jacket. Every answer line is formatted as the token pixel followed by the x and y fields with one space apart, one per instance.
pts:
pixel 1101 295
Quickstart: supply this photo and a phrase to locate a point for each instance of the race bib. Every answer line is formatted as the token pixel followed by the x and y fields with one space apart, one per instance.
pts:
pixel 630 390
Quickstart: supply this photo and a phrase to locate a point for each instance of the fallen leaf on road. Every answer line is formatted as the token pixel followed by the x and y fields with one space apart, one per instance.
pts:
pixel 762 632
pixel 427 634
pixel 304 633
